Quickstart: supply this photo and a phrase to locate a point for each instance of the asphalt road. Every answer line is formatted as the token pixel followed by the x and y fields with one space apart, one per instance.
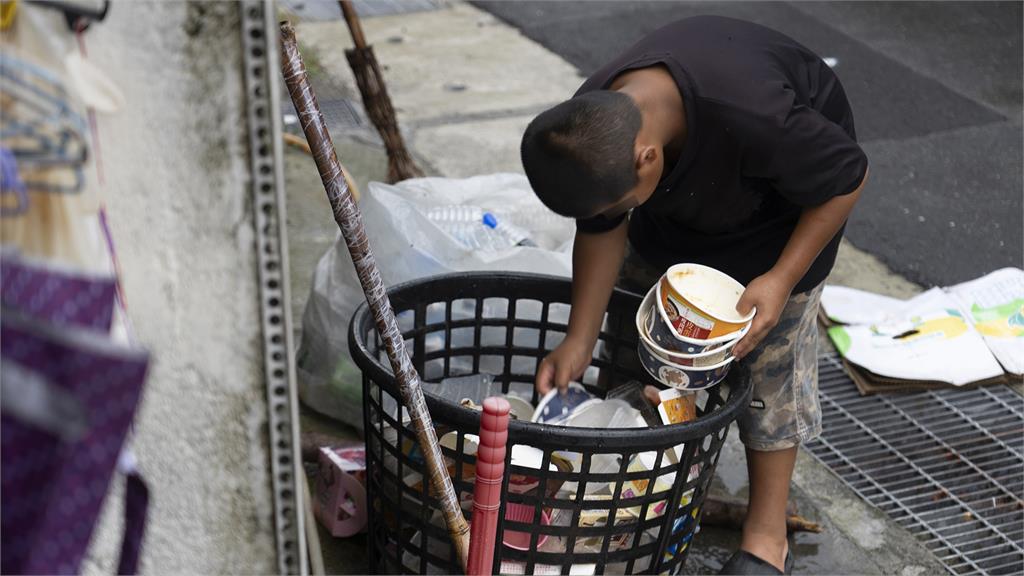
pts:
pixel 937 97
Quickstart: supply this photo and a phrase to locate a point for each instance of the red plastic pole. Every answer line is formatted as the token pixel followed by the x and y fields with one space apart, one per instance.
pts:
pixel 490 467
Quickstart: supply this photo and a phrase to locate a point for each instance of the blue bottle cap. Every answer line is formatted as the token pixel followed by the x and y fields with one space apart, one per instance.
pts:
pixel 490 221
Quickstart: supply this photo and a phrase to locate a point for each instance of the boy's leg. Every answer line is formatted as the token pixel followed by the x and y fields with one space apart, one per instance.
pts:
pixel 764 529
pixel 784 412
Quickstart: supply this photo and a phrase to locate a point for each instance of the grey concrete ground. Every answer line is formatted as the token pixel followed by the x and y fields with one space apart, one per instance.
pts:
pixel 464 86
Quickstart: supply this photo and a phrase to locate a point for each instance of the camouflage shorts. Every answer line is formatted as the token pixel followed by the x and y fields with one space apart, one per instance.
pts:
pixel 785 409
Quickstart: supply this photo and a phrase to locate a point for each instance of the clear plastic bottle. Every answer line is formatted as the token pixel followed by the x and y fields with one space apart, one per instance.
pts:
pixel 515 235
pixel 454 219
pixel 477 229
pixel 538 215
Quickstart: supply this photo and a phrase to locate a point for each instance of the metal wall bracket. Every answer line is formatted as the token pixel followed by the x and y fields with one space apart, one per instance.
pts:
pixel 263 103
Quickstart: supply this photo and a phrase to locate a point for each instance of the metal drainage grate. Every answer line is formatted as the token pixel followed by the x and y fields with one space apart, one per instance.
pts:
pixel 339 113
pixel 947 465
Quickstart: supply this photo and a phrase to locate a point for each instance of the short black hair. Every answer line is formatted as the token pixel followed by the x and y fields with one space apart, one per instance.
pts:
pixel 578 155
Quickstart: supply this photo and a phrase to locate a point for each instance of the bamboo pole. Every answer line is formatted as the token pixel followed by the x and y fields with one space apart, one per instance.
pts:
pixel 347 216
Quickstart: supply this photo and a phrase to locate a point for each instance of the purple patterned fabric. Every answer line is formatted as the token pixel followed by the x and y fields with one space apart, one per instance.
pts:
pixel 30 460
pixel 136 504
pixel 55 295
pixel 52 490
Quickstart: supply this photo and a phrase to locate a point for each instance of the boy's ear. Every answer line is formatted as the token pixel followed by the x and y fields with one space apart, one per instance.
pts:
pixel 645 156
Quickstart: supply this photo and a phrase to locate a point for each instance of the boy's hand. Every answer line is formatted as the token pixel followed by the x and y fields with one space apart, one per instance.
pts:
pixel 566 362
pixel 768 293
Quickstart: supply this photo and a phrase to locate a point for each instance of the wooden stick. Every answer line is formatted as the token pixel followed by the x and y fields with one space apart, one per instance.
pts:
pixel 346 214
pixel 354 26
pixel 795 523
pixel 301 144
pixel 316 554
pixel 728 513
pixel 376 101
pixel 293 140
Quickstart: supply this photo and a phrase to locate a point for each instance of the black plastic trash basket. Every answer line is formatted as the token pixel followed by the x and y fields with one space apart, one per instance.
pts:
pixel 503 324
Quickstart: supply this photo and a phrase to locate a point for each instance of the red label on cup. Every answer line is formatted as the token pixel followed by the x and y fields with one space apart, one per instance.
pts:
pixel 684 319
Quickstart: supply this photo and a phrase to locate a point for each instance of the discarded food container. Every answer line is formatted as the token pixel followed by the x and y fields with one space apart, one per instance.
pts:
pixel 677 407
pixel 523 456
pixel 340 503
pixel 602 415
pixel 708 357
pixel 698 302
pixel 613 413
pixel 649 322
pixel 644 461
pixel 556 405
pixel 520 408
pixel 527 459
pixel 682 377
pixel 523 513
pixel 632 393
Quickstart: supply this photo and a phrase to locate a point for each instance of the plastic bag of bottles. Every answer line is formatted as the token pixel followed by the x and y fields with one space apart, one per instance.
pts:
pixel 417 228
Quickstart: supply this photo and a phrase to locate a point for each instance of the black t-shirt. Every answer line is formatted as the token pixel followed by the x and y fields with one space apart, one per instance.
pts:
pixel 770 132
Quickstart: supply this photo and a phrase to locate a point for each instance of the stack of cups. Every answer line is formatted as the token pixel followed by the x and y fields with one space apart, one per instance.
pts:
pixel 688 324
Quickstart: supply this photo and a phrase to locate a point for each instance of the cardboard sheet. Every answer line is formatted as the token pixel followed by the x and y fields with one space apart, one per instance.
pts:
pixel 970 334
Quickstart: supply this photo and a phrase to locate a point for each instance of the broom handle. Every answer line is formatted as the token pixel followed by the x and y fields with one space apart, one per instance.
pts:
pixel 346 214
pixel 352 19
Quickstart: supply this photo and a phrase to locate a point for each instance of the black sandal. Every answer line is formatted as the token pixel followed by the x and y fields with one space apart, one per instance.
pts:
pixel 744 563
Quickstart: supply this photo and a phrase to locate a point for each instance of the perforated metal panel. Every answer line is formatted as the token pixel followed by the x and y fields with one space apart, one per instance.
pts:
pixel 262 85
pixel 947 465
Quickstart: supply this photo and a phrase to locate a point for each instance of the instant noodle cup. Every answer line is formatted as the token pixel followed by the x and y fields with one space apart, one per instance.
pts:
pixel 523 513
pixel 700 302
pixel 526 457
pixel 661 334
pixel 682 377
pixel 711 356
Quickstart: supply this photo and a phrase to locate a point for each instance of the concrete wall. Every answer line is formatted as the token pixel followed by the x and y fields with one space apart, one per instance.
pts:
pixel 176 162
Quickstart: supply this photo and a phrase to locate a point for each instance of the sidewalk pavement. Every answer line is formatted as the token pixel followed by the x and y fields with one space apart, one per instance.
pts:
pixel 464 86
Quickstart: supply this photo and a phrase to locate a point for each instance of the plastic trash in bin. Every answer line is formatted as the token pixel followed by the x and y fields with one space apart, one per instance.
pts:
pixel 663 490
pixel 632 393
pixel 474 387
pixel 556 406
pixel 471 391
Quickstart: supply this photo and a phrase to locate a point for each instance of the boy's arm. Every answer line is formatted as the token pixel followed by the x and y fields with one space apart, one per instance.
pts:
pixel 596 260
pixel 769 292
